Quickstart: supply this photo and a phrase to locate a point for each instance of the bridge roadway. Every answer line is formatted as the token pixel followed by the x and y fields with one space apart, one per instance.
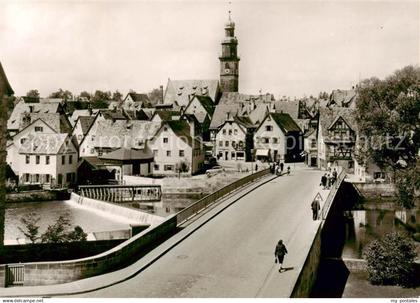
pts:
pixel 232 255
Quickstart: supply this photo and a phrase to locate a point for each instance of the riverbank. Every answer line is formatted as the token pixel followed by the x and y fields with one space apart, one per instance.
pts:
pixel 37 196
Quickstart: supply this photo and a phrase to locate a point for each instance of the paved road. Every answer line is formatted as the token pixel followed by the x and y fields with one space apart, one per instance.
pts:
pixel 233 254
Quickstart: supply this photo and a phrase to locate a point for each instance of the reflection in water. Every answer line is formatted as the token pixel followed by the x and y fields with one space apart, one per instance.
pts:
pixel 363 226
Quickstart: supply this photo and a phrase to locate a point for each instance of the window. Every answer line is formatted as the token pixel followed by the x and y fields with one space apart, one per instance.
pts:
pixel 68 178
pixel 23 140
pixel 230 132
pixel 168 153
pixel 156 167
pixel 168 167
pixel 235 132
pixel 63 160
pixel 165 140
pixel 266 140
pixel 240 155
pixel 275 140
pixel 47 178
pixel 226 143
pixel 155 152
pixel 233 144
pixel 37 159
pixel 37 178
pixel 28 159
pixel 93 138
pixel 26 177
pixel 181 153
pixel 92 150
pixel 70 159
pixel 39 128
pixel 221 143
pixel 232 155
pixel 313 143
pixel 224 131
pixel 165 129
pixel 268 128
pixel 47 160
pixel 100 152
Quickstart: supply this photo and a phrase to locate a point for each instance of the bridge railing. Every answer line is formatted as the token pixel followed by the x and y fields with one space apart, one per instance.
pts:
pixel 203 203
pixel 332 193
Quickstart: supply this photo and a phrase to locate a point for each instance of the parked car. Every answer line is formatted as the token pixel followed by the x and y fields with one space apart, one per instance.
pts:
pixel 214 171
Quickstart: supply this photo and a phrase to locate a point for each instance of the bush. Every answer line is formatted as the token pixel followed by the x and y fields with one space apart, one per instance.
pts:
pixel 390 260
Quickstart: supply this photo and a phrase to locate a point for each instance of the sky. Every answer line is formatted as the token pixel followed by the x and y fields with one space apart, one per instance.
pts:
pixel 291 48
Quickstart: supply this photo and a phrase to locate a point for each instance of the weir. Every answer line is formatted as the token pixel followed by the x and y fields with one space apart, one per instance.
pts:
pixel 122 193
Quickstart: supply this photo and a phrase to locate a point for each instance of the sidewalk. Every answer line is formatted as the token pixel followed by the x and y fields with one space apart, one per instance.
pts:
pixel 103 281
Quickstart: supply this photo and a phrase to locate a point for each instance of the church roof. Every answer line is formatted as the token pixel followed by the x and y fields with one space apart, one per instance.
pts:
pixel 4 82
pixel 179 92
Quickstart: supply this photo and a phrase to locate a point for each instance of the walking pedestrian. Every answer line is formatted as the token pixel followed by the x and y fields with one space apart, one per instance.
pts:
pixel 277 169
pixel 256 167
pixel 279 254
pixel 288 170
pixel 324 181
pixel 334 173
pixel 281 166
pixel 315 209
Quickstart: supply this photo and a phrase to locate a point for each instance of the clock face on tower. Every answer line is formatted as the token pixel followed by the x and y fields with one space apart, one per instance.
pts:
pixel 227 70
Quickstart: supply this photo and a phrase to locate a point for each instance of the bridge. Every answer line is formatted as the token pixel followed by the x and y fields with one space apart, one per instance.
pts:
pixel 227 251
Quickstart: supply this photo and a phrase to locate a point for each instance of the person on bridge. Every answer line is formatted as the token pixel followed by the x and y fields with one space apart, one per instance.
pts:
pixel 281 166
pixel 315 209
pixel 324 181
pixel 279 254
pixel 288 170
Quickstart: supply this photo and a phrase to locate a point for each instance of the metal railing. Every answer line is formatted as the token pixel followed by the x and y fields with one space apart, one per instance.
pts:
pixel 331 195
pixel 15 274
pixel 203 203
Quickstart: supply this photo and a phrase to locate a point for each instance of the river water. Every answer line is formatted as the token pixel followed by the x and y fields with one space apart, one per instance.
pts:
pixel 89 220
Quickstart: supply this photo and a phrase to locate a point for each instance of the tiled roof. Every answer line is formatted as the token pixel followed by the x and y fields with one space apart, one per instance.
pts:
pixel 4 82
pixel 221 112
pixel 114 114
pixel 234 97
pixel 37 108
pixel 259 113
pixel 139 97
pixel 81 113
pixel 342 97
pixel 327 116
pixel 179 91
pixel 166 115
pixel 244 121
pixel 85 123
pixel 207 103
pixel 182 129
pixel 123 133
pixel 128 154
pixel 49 144
pixel 289 107
pixel 285 122
pixel 56 121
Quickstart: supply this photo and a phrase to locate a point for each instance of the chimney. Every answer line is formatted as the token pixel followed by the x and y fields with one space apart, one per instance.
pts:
pixel 161 94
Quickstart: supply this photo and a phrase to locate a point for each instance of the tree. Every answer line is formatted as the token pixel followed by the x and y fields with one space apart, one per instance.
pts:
pixel 85 95
pixel 77 235
pixel 387 114
pixel 62 94
pixel 155 96
pixel 100 98
pixel 56 233
pixel 31 227
pixel 117 96
pixel 390 260
pixel 33 93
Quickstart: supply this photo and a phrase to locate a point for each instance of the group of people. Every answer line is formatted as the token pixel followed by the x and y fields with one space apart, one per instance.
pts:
pixel 277 168
pixel 328 179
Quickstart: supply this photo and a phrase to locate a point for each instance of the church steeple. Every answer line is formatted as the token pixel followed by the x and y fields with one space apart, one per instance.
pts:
pixel 229 60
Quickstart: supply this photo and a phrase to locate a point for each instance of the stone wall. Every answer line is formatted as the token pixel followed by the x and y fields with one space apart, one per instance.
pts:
pixel 307 276
pixel 47 273
pixel 375 190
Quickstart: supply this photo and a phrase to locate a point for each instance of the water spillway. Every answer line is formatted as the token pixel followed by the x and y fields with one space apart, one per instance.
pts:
pixel 130 214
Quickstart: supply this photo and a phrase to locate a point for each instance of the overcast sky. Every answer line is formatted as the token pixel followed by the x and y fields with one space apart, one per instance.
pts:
pixel 292 48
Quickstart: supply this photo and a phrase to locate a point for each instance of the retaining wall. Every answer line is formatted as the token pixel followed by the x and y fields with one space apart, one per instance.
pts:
pixel 36 196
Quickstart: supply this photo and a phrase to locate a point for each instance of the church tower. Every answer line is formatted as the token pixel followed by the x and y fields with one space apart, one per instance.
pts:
pixel 229 60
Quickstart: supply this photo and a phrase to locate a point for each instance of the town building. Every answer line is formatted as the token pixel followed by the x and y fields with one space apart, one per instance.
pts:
pixel 176 149
pixel 278 138
pixel 234 139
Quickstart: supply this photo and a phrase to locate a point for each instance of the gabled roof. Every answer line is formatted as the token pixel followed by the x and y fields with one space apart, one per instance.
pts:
pixel 284 121
pixel 235 97
pixel 221 113
pixel 342 97
pixel 4 82
pixel 81 113
pixel 289 107
pixel 114 114
pixel 179 91
pixel 138 97
pixel 128 154
pixel 166 115
pixel 49 144
pixel 206 102
pixel 56 121
pixel 259 113
pixel 37 108
pixel 85 123
pixel 181 128
pixel 244 121
pixel 328 116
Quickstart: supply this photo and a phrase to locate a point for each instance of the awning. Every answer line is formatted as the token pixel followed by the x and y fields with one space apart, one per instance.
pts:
pixel 262 152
